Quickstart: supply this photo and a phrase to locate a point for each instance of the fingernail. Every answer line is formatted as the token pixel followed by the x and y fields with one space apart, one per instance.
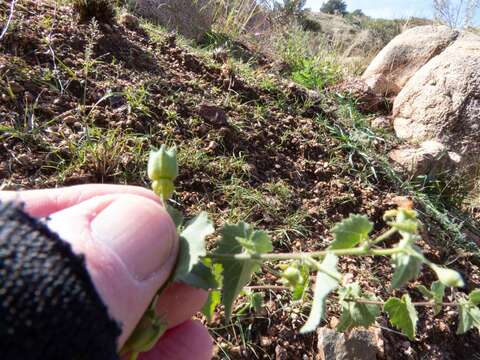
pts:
pixel 139 231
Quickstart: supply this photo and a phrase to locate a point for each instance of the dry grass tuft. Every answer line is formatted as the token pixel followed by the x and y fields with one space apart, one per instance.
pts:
pixel 102 10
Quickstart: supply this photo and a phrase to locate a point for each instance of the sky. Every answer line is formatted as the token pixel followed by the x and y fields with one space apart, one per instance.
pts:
pixel 389 9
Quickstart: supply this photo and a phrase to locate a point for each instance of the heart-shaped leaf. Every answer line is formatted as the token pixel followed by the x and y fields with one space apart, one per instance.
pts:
pixel 403 315
pixel 351 232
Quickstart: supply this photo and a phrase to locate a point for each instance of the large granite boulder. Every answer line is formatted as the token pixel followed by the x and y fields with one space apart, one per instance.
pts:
pixel 442 100
pixel 407 53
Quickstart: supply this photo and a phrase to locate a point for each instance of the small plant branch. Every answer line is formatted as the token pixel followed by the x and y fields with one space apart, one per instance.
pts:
pixel 362 251
pixel 418 304
pixel 388 234
pixel 267 287
pixel 358 301
pixel 322 269
pixel 10 18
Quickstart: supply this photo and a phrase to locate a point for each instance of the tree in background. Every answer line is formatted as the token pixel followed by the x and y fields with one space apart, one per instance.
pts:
pixel 287 11
pixel 358 13
pixel 456 14
pixel 334 7
pixel 291 8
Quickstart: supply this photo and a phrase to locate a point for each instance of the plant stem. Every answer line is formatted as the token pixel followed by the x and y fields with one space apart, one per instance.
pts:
pixel 358 301
pixel 333 275
pixel 384 236
pixel 361 251
pixel 420 304
pixel 267 287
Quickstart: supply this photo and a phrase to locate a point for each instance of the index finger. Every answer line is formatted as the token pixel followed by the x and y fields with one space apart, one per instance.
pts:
pixel 42 203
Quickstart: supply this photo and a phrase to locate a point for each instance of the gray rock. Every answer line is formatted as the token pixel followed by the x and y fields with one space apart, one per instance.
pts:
pixel 382 122
pixel 442 100
pixel 409 51
pixel 381 85
pixel 430 158
pixel 212 114
pixel 359 344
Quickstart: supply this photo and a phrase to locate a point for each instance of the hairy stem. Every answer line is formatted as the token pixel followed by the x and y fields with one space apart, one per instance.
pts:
pixel 388 234
pixel 361 251
pixel 419 304
pixel 358 301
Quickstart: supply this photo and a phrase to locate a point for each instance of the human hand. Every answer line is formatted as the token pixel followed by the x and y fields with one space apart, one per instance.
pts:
pixel 130 245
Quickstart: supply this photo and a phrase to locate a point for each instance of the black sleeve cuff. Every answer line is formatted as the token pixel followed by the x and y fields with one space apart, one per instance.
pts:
pixel 49 308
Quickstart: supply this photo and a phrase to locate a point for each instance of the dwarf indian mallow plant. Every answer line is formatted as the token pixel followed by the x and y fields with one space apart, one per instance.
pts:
pixel 242 250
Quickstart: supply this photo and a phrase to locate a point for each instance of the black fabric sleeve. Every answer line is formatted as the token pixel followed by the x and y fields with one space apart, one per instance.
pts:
pixel 49 308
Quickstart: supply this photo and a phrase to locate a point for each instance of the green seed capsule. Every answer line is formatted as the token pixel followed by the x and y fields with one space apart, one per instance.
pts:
pixel 163 188
pixel 162 164
pixel 448 277
pixel 293 275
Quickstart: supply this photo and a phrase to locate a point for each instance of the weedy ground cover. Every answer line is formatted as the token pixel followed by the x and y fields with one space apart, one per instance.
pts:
pixel 242 250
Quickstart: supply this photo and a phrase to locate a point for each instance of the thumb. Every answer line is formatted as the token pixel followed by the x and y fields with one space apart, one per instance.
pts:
pixel 130 245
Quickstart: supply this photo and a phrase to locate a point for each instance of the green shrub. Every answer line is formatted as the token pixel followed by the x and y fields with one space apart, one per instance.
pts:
pixel 385 30
pixel 316 73
pixel 334 7
pixel 358 13
pixel 102 10
pixel 309 24
pixel 313 62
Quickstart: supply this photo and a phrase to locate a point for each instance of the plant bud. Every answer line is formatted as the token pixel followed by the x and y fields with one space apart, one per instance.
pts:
pixel 162 164
pixel 293 275
pixel 163 188
pixel 448 277
pixel 406 214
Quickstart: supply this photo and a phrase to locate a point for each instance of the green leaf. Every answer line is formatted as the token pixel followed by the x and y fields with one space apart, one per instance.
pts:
pixel 427 294
pixel 407 268
pixel 354 313
pixel 256 301
pixel 192 249
pixel 214 296
pixel 200 277
pixel 258 243
pixel 403 315
pixel 301 287
pixel 176 216
pixel 324 284
pixel 469 316
pixel 214 299
pixel 350 232
pixel 474 297
pixel 436 294
pixel 237 273
pixel 438 291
